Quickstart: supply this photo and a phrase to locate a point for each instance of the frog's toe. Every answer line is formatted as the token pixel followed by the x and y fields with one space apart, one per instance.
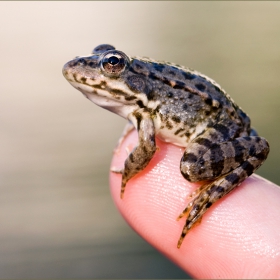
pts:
pixel 197 191
pixel 195 209
pixel 186 230
pixel 186 211
pixel 192 196
pixel 116 170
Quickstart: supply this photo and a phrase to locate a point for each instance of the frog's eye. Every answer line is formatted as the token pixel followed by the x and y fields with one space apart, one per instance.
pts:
pixel 113 63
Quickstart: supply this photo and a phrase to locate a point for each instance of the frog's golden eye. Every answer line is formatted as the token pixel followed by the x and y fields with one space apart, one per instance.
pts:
pixel 113 63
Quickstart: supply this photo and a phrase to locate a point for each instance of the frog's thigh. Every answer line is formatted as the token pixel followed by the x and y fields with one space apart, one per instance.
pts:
pixel 204 160
pixel 141 155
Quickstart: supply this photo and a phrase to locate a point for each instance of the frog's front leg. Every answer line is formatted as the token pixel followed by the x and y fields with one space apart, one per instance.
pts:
pixel 141 155
pixel 227 164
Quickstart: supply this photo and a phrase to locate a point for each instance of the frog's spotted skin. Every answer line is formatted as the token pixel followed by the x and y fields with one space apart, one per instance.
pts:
pixel 180 106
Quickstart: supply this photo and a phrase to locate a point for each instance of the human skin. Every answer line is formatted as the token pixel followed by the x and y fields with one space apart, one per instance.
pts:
pixel 238 237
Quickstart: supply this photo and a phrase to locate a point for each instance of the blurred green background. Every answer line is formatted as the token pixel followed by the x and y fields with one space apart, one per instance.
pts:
pixel 57 218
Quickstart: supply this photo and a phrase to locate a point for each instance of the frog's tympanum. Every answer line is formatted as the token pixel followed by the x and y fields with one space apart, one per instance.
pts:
pixel 180 106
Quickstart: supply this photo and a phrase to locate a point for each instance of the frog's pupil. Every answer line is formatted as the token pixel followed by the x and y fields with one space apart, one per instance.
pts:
pixel 113 60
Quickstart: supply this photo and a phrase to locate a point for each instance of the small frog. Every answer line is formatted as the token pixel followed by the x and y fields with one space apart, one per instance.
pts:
pixel 180 106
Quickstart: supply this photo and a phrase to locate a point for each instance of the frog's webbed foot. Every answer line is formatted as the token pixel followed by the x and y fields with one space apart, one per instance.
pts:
pixel 197 191
pixel 193 195
pixel 196 208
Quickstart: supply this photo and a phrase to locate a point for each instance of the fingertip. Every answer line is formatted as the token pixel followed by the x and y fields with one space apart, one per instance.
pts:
pixel 219 247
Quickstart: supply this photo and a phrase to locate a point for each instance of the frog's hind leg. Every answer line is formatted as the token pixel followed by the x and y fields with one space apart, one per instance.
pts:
pixel 213 192
pixel 250 152
pixel 193 195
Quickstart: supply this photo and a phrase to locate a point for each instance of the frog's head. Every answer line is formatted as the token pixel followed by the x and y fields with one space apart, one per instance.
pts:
pixel 105 77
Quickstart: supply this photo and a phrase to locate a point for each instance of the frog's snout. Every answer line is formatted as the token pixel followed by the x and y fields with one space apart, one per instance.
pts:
pixel 65 69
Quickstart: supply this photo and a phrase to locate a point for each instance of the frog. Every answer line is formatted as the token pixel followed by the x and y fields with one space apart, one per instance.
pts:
pixel 177 105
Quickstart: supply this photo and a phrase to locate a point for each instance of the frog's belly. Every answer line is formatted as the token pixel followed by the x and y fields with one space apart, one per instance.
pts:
pixel 172 139
pixel 179 136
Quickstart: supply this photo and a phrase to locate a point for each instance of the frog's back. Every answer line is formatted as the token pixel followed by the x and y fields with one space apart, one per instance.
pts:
pixel 185 101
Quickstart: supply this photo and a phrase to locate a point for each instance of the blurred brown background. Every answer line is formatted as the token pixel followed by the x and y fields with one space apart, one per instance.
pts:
pixel 57 218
